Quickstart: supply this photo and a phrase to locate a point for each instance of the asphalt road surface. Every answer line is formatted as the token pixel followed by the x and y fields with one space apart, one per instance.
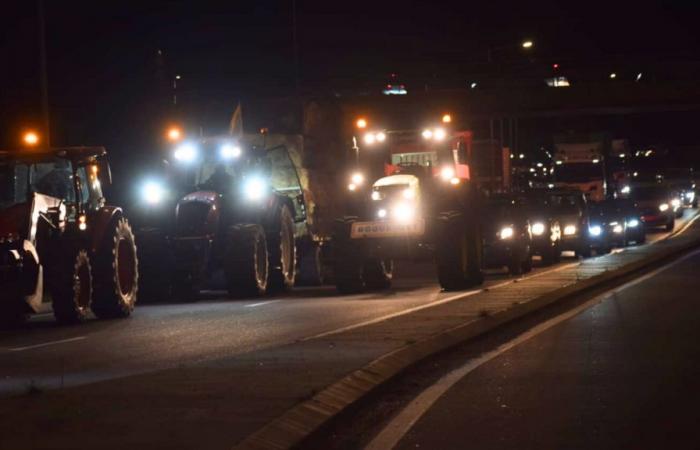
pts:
pixel 619 371
pixel 161 336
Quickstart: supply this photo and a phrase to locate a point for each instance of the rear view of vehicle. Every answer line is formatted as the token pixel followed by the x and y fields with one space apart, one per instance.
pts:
pixel 61 246
pixel 507 235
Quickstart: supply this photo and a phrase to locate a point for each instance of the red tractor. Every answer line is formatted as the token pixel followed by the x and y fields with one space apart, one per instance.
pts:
pixel 61 246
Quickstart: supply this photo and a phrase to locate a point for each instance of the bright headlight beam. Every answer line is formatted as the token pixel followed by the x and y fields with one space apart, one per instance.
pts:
pixel 595 230
pixel 370 138
pixel 633 223
pixel 376 196
pixel 427 134
pixel 404 212
pixel 569 230
pixel 186 153
pixel 153 192
pixel 255 188
pixel 439 134
pixel 229 151
pixel 447 173
pixel 506 233
pixel 381 213
pixel 618 229
pixel 381 137
pixel 538 229
pixel 663 207
pixel 357 178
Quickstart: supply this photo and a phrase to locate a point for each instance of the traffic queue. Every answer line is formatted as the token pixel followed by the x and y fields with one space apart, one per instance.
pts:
pixel 243 208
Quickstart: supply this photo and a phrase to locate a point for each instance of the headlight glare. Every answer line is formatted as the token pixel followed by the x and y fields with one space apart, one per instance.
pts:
pixel 376 196
pixel 538 229
pixel 663 207
pixel 447 173
pixel 618 229
pixel 595 230
pixel 381 213
pixel 404 212
pixel 153 192
pixel 633 223
pixel 506 233
pixel 229 151
pixel 569 230
pixel 255 188
pixel 186 153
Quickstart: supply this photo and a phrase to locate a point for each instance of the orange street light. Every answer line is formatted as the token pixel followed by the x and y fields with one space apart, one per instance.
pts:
pixel 361 123
pixel 174 134
pixel 446 118
pixel 30 138
pixel 527 44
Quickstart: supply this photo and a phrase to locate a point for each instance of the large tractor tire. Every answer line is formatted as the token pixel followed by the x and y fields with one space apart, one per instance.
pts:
pixel 347 260
pixel 71 288
pixel 310 266
pixel 377 273
pixel 115 273
pixel 246 263
pixel 458 253
pixel 282 252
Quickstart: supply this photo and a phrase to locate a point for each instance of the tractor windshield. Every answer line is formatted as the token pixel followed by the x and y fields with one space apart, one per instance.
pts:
pixel 18 180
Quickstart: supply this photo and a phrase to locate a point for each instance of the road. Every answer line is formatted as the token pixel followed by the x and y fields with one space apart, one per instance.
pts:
pixel 619 371
pixel 161 336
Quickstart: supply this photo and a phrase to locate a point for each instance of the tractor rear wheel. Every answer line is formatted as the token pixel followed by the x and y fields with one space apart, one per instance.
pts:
pixel 282 252
pixel 458 253
pixel 71 288
pixel 246 264
pixel 115 273
pixel 347 260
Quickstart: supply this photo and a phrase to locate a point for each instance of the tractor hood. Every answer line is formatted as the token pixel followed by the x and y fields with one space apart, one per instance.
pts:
pixel 197 214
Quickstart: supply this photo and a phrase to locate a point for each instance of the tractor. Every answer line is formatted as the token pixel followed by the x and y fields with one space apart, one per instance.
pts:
pixel 62 247
pixel 228 209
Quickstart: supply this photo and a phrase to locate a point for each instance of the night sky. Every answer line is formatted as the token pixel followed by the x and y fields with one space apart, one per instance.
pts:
pixel 108 84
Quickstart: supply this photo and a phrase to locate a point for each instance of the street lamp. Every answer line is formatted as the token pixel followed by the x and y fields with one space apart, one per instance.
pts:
pixel 174 134
pixel 527 44
pixel 361 123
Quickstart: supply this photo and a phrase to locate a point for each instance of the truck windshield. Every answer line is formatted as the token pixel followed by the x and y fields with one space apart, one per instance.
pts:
pixel 18 180
pixel 578 172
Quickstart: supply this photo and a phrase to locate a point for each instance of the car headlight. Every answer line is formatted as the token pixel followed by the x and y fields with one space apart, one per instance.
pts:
pixel 618 229
pixel 663 207
pixel 153 192
pixel 676 203
pixel 186 153
pixel 625 190
pixel 633 223
pixel 569 230
pixel 381 213
pixel 595 230
pixel 254 189
pixel 229 151
pixel 439 134
pixel 370 138
pixel 404 212
pixel 506 233
pixel 538 229
pixel 376 196
pixel 380 137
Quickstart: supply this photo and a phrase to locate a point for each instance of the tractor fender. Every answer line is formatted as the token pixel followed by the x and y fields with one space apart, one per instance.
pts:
pixel 100 221
pixel 271 217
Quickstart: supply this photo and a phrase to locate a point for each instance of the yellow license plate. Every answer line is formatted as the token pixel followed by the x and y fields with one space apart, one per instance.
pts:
pixel 379 229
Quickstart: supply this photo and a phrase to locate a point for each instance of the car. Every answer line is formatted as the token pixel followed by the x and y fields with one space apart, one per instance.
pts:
pixel 570 208
pixel 607 226
pixel 507 234
pixel 544 225
pixel 62 246
pixel 657 207
pixel 628 211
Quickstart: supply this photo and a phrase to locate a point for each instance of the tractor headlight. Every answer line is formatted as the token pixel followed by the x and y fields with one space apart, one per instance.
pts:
pixel 381 213
pixel 595 230
pixel 376 196
pixel 404 212
pixel 506 233
pixel 153 192
pixel 254 189
pixel 538 229
pixel 186 153
pixel 632 223
pixel 439 134
pixel 663 207
pixel 229 151
pixel 447 173
pixel 569 230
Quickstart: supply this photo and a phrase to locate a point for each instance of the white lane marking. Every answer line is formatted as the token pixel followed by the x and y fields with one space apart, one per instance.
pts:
pixel 430 304
pixel 395 430
pixel 46 344
pixel 253 305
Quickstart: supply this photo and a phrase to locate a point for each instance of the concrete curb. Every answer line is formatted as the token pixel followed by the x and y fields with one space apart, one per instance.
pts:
pixel 298 423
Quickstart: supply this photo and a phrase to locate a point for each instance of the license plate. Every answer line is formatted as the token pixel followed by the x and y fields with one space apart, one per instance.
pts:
pixel 361 230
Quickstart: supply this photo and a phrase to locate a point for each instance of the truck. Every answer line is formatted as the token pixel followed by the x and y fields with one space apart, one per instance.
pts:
pixel 589 163
pixel 62 246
